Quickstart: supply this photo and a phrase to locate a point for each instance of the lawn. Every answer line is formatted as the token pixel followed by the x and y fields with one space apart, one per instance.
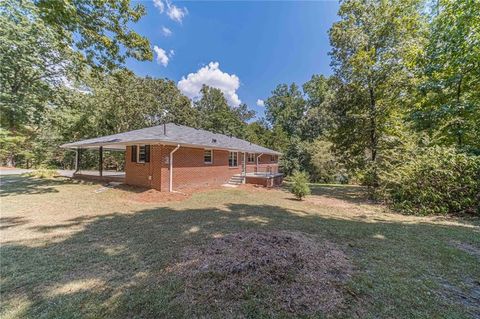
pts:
pixel 69 250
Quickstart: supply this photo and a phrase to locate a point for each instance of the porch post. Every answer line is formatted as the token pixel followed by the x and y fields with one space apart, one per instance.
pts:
pixel 100 161
pixel 76 160
pixel 244 167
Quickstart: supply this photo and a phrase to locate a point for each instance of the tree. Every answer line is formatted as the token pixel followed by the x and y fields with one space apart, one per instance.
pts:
pixel 299 186
pixel 34 63
pixel 44 41
pixel 217 116
pixel 317 120
pixel 46 46
pixel 373 45
pixel 323 165
pixel 121 102
pixel 257 132
pixel 99 30
pixel 449 99
pixel 286 108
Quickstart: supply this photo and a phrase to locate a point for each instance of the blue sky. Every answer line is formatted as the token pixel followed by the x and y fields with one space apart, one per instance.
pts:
pixel 244 48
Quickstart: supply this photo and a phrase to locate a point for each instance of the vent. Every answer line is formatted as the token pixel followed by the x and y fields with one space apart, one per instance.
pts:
pixel 214 140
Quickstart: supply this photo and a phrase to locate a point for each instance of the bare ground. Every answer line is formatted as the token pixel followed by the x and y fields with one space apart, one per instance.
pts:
pixel 303 275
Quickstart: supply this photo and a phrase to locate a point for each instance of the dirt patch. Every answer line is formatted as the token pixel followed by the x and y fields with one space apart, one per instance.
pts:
pixel 154 196
pixel 145 195
pixel 286 271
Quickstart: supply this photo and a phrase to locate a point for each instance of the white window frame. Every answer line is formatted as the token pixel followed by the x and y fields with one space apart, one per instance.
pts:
pixel 138 153
pixel 211 156
pixel 236 154
pixel 273 158
pixel 251 160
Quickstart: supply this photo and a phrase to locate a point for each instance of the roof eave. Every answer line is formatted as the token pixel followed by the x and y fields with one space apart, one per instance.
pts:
pixel 122 146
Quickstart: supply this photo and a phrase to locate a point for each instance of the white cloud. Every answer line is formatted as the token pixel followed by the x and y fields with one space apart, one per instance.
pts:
pixel 160 5
pixel 261 103
pixel 166 31
pixel 162 56
pixel 175 13
pixel 211 75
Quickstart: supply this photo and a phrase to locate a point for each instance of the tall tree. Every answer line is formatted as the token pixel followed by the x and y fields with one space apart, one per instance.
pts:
pixel 121 102
pixel 100 30
pixel 45 45
pixel 286 108
pixel 216 115
pixel 317 120
pixel 449 105
pixel 372 45
pixel 34 62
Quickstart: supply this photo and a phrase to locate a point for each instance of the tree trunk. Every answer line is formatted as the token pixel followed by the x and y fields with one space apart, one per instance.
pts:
pixel 373 137
pixel 11 160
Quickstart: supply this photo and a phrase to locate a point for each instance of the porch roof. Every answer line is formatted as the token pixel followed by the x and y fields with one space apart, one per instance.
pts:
pixel 171 134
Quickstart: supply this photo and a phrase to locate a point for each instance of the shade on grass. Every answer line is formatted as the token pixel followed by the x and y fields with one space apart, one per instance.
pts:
pixel 72 253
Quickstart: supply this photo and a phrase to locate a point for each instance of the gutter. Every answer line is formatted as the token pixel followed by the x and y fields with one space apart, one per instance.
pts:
pixel 258 157
pixel 170 186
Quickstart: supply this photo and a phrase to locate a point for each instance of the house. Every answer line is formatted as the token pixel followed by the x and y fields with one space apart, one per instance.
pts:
pixel 170 156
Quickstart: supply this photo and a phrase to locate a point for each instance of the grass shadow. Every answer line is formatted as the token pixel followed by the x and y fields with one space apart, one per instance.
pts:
pixel 115 266
pixel 350 193
pixel 20 185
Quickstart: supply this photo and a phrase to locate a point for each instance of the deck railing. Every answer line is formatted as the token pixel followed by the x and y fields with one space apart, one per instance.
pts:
pixel 264 170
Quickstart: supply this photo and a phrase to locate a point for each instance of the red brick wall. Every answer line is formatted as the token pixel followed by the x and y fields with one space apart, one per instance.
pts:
pixel 136 173
pixel 189 169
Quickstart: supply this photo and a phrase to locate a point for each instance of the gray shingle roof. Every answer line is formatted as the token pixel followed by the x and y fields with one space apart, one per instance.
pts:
pixel 175 134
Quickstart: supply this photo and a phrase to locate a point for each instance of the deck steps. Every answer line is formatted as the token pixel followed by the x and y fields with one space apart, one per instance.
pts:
pixel 236 180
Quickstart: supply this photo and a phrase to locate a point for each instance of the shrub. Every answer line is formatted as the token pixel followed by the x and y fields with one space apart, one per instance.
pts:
pixel 438 181
pixel 299 186
pixel 323 166
pixel 43 173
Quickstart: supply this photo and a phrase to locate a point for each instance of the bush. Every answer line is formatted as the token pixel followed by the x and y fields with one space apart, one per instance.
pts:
pixel 323 165
pixel 299 186
pixel 43 173
pixel 438 181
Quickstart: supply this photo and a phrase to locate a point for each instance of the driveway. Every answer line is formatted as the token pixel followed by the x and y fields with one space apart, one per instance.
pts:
pixel 14 171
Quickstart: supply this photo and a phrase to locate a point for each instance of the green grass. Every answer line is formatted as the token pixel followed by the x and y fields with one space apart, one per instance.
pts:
pixel 69 252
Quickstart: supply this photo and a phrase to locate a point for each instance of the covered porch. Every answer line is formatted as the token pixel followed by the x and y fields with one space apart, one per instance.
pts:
pixel 109 164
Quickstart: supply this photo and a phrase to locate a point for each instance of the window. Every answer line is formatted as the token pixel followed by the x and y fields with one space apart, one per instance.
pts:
pixel 141 153
pixel 273 158
pixel 251 157
pixel 233 159
pixel 208 156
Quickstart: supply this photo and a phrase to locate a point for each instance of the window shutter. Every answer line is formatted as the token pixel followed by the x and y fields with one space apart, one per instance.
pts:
pixel 147 153
pixel 134 153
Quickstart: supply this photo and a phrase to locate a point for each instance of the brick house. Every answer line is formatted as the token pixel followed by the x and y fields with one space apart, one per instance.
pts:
pixel 170 156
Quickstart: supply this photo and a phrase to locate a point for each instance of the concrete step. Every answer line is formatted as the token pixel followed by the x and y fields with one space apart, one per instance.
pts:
pixel 236 180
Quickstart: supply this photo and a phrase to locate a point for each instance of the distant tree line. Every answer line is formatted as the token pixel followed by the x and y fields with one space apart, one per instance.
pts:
pixel 401 111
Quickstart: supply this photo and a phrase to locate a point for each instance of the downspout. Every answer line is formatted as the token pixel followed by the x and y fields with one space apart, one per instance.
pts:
pixel 258 157
pixel 170 186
